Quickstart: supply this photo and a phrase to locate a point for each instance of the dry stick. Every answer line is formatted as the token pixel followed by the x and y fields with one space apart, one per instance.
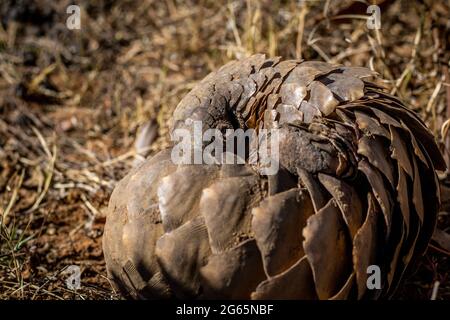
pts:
pixel 47 182
pixel 300 30
pixel 12 201
pixel 271 38
pixel 434 95
pixel 435 290
pixel 18 274
pixel 447 137
pixel 411 64
pixel 232 20
pixel 8 231
pixel 438 249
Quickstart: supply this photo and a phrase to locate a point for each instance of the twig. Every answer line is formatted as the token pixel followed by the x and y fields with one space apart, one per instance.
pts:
pixel 301 27
pixel 13 198
pixel 447 137
pixel 49 173
pixel 435 290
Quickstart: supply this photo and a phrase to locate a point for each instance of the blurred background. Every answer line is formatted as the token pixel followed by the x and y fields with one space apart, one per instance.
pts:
pixel 80 107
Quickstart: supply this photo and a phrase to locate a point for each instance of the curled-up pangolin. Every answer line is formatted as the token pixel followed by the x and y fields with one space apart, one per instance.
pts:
pixel 355 187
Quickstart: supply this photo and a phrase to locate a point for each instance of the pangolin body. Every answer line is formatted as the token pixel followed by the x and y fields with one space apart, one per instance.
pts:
pixel 356 187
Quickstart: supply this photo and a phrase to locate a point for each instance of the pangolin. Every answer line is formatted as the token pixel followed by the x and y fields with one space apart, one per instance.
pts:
pixel 355 189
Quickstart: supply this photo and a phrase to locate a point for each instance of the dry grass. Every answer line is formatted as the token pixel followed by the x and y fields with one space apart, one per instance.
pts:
pixel 71 103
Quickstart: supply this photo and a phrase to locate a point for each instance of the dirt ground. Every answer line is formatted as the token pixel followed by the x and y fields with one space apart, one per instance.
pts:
pixel 73 101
